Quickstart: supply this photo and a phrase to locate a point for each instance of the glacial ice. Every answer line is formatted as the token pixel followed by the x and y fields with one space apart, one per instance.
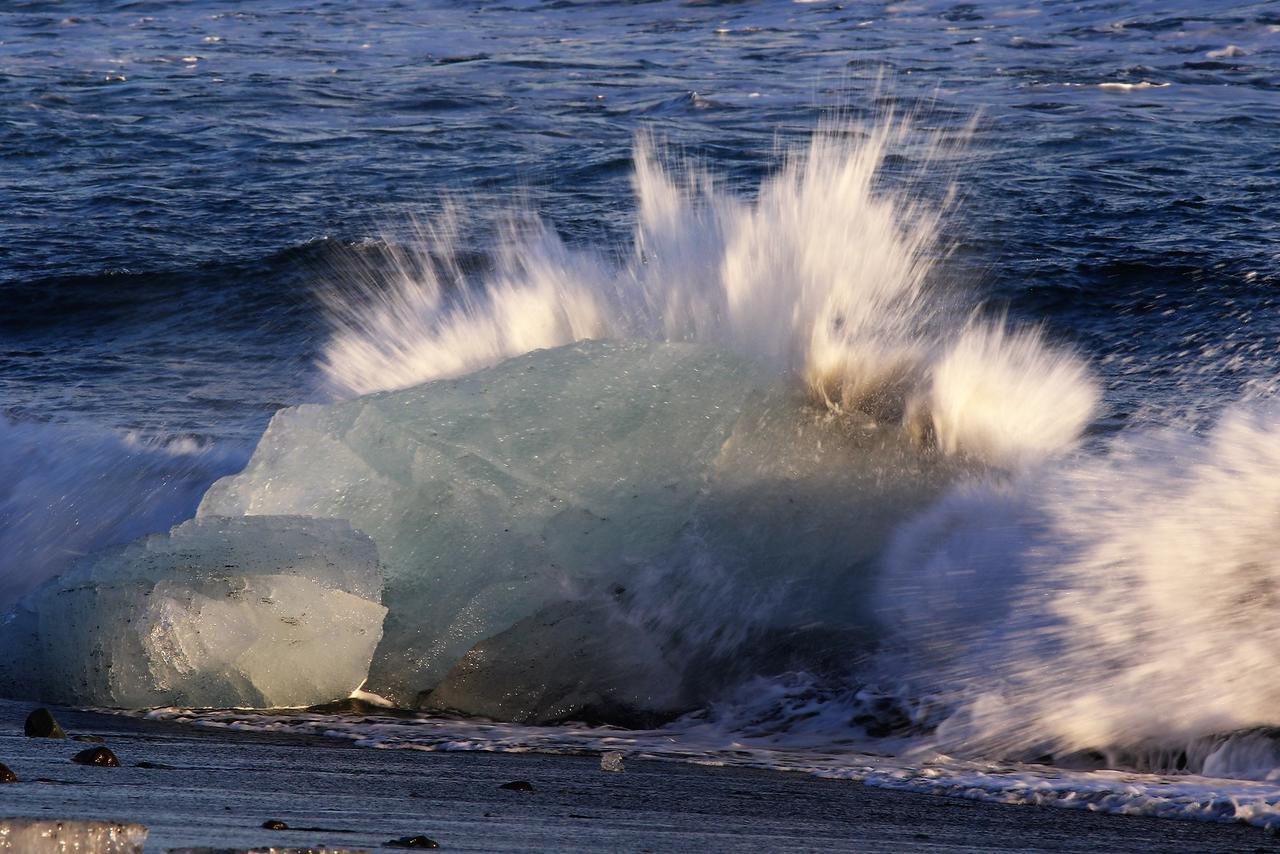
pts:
pixel 620 674
pixel 490 495
pixel 254 611
pixel 41 835
pixel 684 475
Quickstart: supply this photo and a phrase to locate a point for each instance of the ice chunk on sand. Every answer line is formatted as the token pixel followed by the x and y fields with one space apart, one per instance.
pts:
pixel 772 573
pixel 679 472
pixel 254 611
pixel 496 493
pixel 55 836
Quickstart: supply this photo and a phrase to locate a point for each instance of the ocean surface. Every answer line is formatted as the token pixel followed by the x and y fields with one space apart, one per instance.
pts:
pixel 213 210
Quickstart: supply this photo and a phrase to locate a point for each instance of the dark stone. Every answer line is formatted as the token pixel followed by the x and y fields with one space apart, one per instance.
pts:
pixel 274 824
pixel 40 724
pixel 91 739
pixel 99 756
pixel 518 786
pixel 7 776
pixel 413 842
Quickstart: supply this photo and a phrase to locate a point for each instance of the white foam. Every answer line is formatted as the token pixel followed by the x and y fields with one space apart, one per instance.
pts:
pixel 823 745
pixel 68 489
pixel 1231 51
pixel 428 322
pixel 1130 87
pixel 1101 603
pixel 1005 397
pixel 826 275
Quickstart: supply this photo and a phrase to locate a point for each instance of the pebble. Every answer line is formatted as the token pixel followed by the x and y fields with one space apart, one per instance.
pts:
pixel 99 756
pixel 41 724
pixel 413 842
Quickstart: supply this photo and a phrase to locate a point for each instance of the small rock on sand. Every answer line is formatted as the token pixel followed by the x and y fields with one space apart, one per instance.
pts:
pixel 41 724
pixel 99 756
pixel 413 842
pixel 611 761
pixel 7 776
pixel 518 786
pixel 274 824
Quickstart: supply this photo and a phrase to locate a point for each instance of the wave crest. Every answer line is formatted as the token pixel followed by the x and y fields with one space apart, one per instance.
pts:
pixel 826 274
pixel 1100 602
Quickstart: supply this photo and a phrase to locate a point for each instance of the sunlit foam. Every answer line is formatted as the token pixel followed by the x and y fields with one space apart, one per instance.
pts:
pixel 1107 601
pixel 826 273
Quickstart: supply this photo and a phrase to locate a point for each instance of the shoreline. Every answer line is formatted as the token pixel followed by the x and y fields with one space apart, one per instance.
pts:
pixel 216 787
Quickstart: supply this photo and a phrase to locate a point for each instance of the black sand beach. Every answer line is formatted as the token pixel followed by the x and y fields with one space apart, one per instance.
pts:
pixel 216 788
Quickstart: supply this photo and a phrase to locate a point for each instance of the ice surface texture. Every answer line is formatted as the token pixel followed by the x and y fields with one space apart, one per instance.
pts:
pixel 710 497
pixel 493 494
pixel 262 611
pixel 55 836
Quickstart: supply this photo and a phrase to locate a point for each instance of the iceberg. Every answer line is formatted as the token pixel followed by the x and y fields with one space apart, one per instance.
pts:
pixel 494 494
pixel 704 486
pixel 260 611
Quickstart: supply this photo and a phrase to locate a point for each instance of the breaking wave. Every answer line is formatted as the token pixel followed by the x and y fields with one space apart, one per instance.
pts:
pixel 908 551
pixel 827 273
pixel 1116 606
pixel 1114 601
pixel 70 489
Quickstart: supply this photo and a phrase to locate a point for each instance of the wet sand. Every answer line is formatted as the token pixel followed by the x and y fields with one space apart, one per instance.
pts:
pixel 220 786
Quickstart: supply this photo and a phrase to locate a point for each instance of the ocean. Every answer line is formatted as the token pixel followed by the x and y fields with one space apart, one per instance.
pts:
pixel 1030 250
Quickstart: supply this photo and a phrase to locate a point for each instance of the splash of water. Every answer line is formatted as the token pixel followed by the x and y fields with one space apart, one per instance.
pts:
pixel 1110 601
pixel 67 490
pixel 827 274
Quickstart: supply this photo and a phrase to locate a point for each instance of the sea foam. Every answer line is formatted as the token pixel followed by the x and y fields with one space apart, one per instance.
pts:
pixel 1104 602
pixel 827 274
pixel 69 489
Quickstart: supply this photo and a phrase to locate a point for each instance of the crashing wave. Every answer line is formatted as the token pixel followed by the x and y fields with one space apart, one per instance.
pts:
pixel 825 276
pixel 1125 601
pixel 709 492
pixel 67 490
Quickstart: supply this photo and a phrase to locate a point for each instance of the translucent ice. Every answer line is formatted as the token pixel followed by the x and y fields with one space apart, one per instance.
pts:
pixel 55 836
pixel 261 611
pixel 619 673
pixel 713 493
pixel 493 494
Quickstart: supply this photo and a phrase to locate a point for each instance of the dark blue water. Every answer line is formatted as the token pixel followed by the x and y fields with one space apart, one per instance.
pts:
pixel 177 177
